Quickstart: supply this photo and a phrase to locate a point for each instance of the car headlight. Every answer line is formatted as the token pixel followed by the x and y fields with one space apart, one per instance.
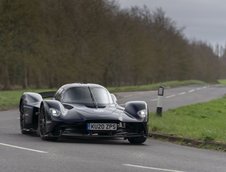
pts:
pixel 54 112
pixel 142 113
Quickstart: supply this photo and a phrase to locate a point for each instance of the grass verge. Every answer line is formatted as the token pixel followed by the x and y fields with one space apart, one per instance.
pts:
pixel 168 84
pixel 204 121
pixel 222 81
pixel 10 99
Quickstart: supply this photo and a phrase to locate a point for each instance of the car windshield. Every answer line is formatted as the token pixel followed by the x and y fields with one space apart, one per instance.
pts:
pixel 87 95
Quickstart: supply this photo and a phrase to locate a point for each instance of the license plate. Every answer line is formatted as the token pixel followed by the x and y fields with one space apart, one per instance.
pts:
pixel 102 126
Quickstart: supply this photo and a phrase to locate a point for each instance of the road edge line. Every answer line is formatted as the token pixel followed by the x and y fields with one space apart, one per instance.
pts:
pixel 151 168
pixel 22 148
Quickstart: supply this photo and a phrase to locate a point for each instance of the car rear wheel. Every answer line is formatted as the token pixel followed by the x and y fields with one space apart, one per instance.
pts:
pixel 137 140
pixel 42 130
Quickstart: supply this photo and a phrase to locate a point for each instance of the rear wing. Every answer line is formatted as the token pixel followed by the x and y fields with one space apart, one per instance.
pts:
pixel 48 94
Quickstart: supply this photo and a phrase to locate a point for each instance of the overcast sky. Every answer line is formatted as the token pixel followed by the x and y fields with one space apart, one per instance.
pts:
pixel 203 19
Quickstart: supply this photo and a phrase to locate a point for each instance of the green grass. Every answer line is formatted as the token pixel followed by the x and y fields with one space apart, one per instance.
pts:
pixel 203 121
pixel 10 99
pixel 148 87
pixel 222 81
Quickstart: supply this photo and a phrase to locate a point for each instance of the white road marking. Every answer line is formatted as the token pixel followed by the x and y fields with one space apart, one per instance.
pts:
pixel 22 148
pixel 152 168
pixel 190 91
pixel 153 100
pixel 182 93
pixel 204 87
pixel 173 95
pixel 198 89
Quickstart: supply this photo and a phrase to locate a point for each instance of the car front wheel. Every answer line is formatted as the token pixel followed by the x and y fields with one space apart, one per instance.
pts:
pixel 137 140
pixel 42 127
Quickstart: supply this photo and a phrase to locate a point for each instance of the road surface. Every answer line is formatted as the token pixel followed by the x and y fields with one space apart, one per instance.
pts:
pixel 175 97
pixel 23 153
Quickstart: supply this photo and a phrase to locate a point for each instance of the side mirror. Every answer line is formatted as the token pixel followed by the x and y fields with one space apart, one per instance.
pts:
pixel 114 98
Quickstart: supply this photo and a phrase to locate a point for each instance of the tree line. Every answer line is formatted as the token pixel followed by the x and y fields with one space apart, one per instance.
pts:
pixel 46 43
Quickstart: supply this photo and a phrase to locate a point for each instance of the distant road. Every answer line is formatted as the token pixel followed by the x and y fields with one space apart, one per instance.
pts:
pixel 175 97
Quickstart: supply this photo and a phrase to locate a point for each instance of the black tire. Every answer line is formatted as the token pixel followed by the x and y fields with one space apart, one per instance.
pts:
pixel 22 122
pixel 137 140
pixel 42 127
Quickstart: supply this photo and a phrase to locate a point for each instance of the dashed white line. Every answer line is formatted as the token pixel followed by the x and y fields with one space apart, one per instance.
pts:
pixel 190 91
pixel 152 168
pixel 182 93
pixel 22 148
pixel 173 95
pixel 198 89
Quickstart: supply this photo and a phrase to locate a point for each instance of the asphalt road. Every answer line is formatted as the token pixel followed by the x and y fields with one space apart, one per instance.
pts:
pixel 22 153
pixel 175 97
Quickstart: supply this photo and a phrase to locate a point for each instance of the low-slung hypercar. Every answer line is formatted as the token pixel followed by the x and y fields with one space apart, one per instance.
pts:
pixel 83 110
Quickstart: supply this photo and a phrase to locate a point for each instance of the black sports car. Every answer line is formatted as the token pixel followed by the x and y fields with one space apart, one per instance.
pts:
pixel 86 110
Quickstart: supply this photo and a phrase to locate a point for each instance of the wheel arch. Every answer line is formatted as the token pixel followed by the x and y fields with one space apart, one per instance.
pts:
pixel 29 108
pixel 133 107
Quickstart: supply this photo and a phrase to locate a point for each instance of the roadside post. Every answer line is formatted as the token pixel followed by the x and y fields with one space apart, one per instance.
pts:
pixel 160 101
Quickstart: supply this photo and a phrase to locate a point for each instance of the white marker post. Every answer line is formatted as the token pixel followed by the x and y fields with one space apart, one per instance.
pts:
pixel 160 101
